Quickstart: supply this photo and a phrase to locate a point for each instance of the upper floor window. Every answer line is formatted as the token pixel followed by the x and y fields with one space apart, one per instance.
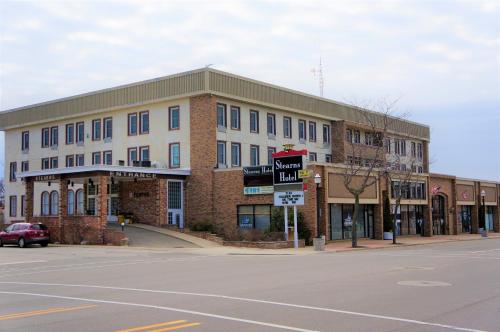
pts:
pixel 80 132
pixel 348 135
pixel 235 154
pixel 108 128
pixel 420 151
pixel 132 124
pixel 25 141
pixel 221 153
pixel 270 151
pixel 70 161
pixel 96 158
pixel 326 134
pixel 328 158
pixel 174 122
pixel 403 147
pixel 368 138
pixel 96 130
pixel 144 153
pixel 54 136
pixel 70 133
pixel 221 115
pixel 312 131
pixel 45 163
pixel 12 171
pixel 108 157
pixel 413 149
pixel 25 166
pixel 54 162
pixel 271 124
pixel 302 130
pixel 254 155
pixel 287 127
pixel 397 146
pixel 357 137
pixel 80 159
pixel 254 121
pixel 132 156
pixel 387 145
pixel 313 156
pixel 144 122
pixel 175 155
pixel 45 137
pixel 235 118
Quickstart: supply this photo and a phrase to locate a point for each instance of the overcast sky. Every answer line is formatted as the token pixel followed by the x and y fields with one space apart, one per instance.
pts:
pixel 442 58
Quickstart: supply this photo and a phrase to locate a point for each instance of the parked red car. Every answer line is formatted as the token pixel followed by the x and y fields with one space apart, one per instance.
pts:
pixel 24 234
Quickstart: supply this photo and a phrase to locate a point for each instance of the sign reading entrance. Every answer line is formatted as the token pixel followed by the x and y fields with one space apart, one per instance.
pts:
pixel 287 198
pixel 133 175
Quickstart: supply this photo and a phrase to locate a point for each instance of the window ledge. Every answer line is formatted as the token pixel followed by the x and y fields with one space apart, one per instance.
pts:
pixel 221 129
pixel 271 136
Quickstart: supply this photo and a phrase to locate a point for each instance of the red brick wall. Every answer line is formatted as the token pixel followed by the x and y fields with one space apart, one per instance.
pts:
pixel 146 209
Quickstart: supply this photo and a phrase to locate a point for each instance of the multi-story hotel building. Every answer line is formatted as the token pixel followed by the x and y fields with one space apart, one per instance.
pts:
pixel 171 151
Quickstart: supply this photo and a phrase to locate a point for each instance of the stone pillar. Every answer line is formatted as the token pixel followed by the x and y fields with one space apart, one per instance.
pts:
pixel 63 207
pixel 29 186
pixel 102 180
pixel 161 202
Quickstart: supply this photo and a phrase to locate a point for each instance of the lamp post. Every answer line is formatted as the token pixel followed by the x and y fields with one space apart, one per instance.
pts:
pixel 485 229
pixel 318 241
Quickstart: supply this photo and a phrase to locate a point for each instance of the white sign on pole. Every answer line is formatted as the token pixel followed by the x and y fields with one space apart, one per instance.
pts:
pixel 287 198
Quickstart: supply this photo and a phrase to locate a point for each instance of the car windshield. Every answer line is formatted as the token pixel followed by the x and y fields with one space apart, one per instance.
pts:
pixel 38 227
pixel 8 229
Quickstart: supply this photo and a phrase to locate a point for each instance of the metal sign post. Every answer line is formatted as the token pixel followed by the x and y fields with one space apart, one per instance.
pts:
pixel 286 222
pixel 295 231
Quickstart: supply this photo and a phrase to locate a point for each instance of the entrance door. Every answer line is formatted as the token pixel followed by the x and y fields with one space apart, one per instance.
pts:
pixel 438 215
pixel 175 211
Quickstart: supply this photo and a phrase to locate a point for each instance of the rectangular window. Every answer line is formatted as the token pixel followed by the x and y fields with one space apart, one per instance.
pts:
pixel 271 124
pixel 175 155
pixel 132 124
pixel 54 136
pixel 132 156
pixel 254 155
pixel 254 216
pixel 403 147
pixel 96 158
pixel 221 154
pixel 144 153
pixel 235 118
pixel 357 137
pixel 12 172
pixel 312 131
pixel 70 161
pixel 80 132
pixel 108 157
pixel 25 141
pixel 25 166
pixel 254 121
pixel 420 151
pixel 107 128
pixel 45 137
pixel 13 206
pixel 270 151
pixel 348 135
pixel 221 116
pixel 397 147
pixel 54 162
pixel 174 122
pixel 326 134
pixel 45 163
pixel 368 138
pixel 23 204
pixel 313 156
pixel 413 150
pixel 302 130
pixel 235 154
pixel 80 159
pixel 328 158
pixel 287 127
pixel 96 130
pixel 387 144
pixel 144 122
pixel 70 133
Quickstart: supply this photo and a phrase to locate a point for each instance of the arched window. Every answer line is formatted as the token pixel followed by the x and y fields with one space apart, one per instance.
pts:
pixel 79 201
pixel 54 203
pixel 71 202
pixel 45 203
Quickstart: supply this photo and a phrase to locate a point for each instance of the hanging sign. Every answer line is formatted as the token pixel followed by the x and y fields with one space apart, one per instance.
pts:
pixel 288 198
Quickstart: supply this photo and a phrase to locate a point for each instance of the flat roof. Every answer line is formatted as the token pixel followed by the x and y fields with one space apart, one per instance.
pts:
pixel 105 168
pixel 198 82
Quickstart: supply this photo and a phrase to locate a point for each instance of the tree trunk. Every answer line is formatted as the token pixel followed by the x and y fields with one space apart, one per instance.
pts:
pixel 354 233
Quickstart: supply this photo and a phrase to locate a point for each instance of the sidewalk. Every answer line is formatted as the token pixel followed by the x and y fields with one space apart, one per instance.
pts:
pixel 407 240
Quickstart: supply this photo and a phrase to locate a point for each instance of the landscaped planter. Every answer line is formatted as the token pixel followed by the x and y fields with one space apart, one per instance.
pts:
pixel 387 235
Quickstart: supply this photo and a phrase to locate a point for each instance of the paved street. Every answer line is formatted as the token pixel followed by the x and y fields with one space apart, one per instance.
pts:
pixel 441 287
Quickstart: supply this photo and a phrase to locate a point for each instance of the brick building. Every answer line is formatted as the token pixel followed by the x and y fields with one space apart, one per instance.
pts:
pixel 171 151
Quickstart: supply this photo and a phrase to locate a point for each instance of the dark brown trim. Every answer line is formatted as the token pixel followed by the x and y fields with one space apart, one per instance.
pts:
pixel 128 124
pixel 231 117
pixel 104 127
pixel 104 157
pixel 305 129
pixel 329 133
pixel 50 162
pixel 170 155
pixel 12 171
pixel 48 138
pixel 70 156
pixel 129 161
pixel 225 152
pixel 273 115
pixel 250 119
pixel 258 154
pixel 315 132
pixel 217 115
pixel 141 148
pixel 69 125
pixel 291 131
pixel 10 206
pixel 170 117
pixel 23 140
pixel 239 145
pixel 140 123
pixel 41 203
pixel 100 157
pixel 43 160
pixel 93 129
pixel 77 125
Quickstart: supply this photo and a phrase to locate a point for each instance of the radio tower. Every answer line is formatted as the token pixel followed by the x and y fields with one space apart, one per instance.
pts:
pixel 319 73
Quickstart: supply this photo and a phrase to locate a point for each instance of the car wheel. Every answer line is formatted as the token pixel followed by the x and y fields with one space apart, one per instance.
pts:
pixel 44 244
pixel 21 243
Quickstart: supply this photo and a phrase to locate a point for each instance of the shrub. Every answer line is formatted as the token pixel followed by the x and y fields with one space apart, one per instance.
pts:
pixel 204 226
pixel 277 224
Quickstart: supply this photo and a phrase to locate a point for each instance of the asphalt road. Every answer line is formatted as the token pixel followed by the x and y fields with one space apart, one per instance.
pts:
pixel 441 287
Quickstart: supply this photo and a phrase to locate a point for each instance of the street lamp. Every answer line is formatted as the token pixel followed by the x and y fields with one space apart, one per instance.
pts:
pixel 485 229
pixel 317 180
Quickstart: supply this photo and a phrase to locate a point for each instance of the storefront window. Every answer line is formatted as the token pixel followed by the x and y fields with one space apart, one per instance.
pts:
pixel 464 217
pixel 341 221
pixel 254 216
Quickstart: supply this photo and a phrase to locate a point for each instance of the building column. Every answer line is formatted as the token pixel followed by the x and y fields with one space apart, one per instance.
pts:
pixel 427 224
pixel 29 186
pixel 161 202
pixel 102 180
pixel 63 207
pixel 496 219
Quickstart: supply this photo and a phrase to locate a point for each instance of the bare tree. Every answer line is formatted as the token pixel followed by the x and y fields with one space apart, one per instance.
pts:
pixel 365 159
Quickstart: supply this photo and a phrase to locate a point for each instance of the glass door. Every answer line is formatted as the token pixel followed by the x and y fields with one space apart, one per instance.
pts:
pixel 175 211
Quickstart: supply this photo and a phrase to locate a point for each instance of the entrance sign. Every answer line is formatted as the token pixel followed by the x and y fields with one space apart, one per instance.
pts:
pixel 287 198
pixel 134 175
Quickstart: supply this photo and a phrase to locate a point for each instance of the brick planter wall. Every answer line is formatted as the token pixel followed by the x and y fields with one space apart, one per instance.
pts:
pixel 143 206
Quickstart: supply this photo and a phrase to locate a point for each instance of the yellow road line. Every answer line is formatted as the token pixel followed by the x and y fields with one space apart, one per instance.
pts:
pixel 176 327
pixel 141 328
pixel 43 312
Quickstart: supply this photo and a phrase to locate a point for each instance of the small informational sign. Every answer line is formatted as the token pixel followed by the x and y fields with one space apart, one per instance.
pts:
pixel 262 190
pixel 289 198
pixel 304 173
pixel 348 221
pixel 245 222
